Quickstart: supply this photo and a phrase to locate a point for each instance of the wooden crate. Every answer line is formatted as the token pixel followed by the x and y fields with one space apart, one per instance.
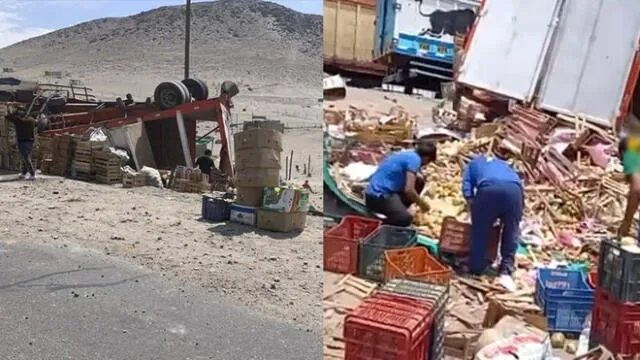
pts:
pixel 107 167
pixel 45 166
pixel 130 180
pixel 83 160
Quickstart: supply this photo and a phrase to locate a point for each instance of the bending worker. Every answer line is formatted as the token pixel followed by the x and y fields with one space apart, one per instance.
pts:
pixel 396 184
pixel 493 190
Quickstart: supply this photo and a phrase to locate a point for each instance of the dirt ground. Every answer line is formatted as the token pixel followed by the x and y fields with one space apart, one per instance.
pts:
pixel 279 275
pixel 377 100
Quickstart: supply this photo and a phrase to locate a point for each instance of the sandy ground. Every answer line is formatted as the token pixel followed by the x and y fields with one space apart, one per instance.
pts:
pixel 378 100
pixel 275 274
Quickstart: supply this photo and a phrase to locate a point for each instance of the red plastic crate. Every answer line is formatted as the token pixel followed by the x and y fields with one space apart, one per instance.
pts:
pixel 616 325
pixel 421 307
pixel 376 331
pixel 592 279
pixel 402 300
pixel 342 243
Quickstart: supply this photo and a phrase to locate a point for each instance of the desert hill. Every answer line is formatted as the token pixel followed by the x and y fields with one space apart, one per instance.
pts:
pixel 260 45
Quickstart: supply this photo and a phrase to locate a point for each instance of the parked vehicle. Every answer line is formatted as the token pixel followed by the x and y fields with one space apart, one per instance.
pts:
pixel 570 57
pixel 415 38
pixel 349 36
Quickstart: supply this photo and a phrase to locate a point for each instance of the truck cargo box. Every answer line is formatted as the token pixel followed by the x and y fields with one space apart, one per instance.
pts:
pixel 422 28
pixel 571 57
pixel 349 35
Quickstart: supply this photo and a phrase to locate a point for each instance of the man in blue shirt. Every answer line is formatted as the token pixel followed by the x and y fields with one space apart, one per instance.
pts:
pixel 393 188
pixel 493 190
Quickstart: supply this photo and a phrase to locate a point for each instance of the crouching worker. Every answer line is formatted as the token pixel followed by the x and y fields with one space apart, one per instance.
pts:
pixel 493 190
pixel 397 183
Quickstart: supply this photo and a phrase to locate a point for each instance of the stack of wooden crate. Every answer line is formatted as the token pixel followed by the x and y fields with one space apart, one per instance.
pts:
pixel 107 167
pixel 83 159
pixel 63 148
pixel 43 153
pixel 9 156
pixel 4 136
pixel 190 181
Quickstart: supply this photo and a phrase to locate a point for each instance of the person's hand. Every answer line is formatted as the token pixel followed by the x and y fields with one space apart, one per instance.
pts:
pixel 424 205
pixel 623 230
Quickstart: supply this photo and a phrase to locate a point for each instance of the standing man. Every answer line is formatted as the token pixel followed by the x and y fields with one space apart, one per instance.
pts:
pixel 629 154
pixel 205 163
pixel 396 184
pixel 25 127
pixel 493 190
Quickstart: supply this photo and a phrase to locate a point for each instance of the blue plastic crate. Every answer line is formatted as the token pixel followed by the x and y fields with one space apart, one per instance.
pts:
pixel 565 297
pixel 215 209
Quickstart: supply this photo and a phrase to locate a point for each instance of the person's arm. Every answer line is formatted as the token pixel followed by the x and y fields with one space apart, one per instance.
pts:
pixel 412 169
pixel 468 182
pixel 410 187
pixel 633 200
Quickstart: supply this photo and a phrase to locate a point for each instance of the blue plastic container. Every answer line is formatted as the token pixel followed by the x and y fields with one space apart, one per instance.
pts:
pixel 565 297
pixel 215 209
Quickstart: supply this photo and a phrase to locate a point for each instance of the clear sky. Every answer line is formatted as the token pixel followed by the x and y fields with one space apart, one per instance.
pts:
pixel 23 19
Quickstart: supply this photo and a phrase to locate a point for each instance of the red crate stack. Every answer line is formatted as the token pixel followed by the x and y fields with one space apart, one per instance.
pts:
pixel 615 324
pixel 390 327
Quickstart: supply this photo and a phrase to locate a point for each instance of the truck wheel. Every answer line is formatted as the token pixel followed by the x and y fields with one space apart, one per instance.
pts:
pixel 170 94
pixel 43 123
pixel 197 88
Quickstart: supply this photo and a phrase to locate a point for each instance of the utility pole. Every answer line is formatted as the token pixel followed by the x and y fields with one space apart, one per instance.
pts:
pixel 187 39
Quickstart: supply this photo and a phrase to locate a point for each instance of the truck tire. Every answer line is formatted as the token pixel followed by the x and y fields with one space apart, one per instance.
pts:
pixel 43 123
pixel 170 94
pixel 197 88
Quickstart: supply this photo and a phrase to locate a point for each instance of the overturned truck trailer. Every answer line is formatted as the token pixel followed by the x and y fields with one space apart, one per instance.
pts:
pixel 571 57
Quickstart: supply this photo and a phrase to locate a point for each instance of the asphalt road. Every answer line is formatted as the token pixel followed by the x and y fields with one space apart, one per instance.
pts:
pixel 65 303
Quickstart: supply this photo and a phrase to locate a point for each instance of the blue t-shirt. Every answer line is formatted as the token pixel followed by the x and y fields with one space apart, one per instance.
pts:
pixel 390 177
pixel 483 170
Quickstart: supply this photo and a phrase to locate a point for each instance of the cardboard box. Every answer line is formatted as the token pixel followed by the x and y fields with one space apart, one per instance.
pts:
pixel 258 138
pixel 262 158
pixel 286 199
pixel 242 214
pixel 255 177
pixel 281 222
pixel 249 196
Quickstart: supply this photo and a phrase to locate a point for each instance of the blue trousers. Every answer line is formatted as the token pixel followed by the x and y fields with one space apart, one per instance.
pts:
pixel 494 201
